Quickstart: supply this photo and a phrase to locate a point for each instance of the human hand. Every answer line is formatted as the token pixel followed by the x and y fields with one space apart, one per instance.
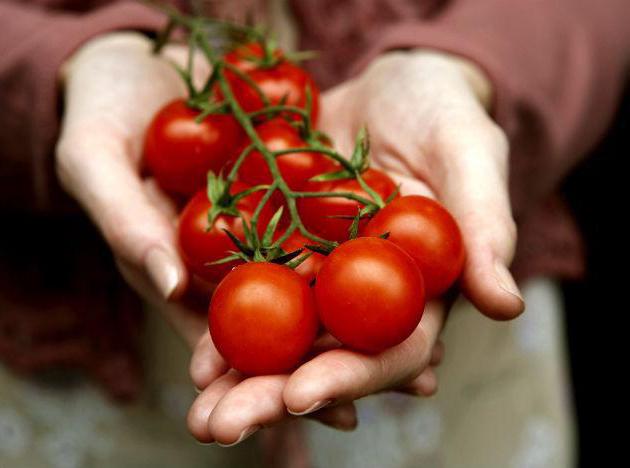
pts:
pixel 426 114
pixel 231 407
pixel 428 127
pixel 113 87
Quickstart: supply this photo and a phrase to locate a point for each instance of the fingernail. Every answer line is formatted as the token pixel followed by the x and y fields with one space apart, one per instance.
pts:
pixel 205 444
pixel 311 409
pixel 244 435
pixel 505 280
pixel 163 270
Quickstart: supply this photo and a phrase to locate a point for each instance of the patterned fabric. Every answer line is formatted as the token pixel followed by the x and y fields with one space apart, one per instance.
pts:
pixel 504 403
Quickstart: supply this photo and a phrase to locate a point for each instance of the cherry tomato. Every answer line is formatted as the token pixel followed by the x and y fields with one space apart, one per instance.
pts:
pixel 296 168
pixel 179 152
pixel 369 294
pixel 201 243
pixel 281 81
pixel 320 215
pixel 425 230
pixel 310 267
pixel 262 318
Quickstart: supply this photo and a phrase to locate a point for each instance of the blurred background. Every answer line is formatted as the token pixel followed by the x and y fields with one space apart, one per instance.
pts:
pixel 598 348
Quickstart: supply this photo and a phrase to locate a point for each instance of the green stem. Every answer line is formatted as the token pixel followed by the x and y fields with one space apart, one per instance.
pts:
pixel 280 108
pixel 349 195
pixel 237 165
pixel 263 201
pixel 256 188
pixel 319 149
pixel 370 191
pixel 248 79
pixel 246 122
pixel 285 235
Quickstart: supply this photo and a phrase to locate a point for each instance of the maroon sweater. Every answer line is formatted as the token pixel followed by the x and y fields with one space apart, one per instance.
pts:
pixel 557 67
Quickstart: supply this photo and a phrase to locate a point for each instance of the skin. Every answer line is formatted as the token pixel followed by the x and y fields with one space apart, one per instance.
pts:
pixel 429 122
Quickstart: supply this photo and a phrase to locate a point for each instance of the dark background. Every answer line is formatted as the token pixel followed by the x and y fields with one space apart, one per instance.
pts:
pixel 597 307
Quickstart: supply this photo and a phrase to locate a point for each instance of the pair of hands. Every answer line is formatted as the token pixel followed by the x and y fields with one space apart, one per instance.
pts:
pixel 429 128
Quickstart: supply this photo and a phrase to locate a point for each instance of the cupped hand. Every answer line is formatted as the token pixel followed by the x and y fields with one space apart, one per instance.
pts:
pixel 231 407
pixel 113 86
pixel 429 127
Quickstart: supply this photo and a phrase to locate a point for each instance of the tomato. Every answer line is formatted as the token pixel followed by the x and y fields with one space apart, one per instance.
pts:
pixel 281 81
pixel 317 213
pixel 425 230
pixel 369 294
pixel 310 267
pixel 179 152
pixel 201 244
pixel 262 318
pixel 296 168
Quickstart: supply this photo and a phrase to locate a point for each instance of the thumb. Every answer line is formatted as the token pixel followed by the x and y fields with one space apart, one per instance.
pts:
pixel 94 166
pixel 476 193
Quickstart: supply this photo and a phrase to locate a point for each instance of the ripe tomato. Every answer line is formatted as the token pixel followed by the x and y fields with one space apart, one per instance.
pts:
pixel 296 168
pixel 281 80
pixel 369 294
pixel 425 230
pixel 317 213
pixel 310 267
pixel 179 152
pixel 262 318
pixel 201 244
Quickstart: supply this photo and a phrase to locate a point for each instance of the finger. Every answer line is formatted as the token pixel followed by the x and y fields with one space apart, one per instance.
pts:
pixel 342 375
pixel 206 364
pixel 438 353
pixel 204 404
pixel 474 187
pixel 425 385
pixel 160 200
pixel 95 168
pixel 253 403
pixel 257 402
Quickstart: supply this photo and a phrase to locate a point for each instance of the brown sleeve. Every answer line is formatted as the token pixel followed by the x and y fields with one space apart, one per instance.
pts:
pixel 34 42
pixel 558 66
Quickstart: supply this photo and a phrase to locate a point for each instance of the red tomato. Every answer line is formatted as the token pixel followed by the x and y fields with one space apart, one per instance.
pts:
pixel 179 152
pixel 310 267
pixel 201 244
pixel 316 213
pixel 262 318
pixel 296 168
pixel 281 81
pixel 425 230
pixel 369 294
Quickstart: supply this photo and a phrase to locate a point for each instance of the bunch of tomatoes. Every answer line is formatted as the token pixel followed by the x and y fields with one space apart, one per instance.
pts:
pixel 298 239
